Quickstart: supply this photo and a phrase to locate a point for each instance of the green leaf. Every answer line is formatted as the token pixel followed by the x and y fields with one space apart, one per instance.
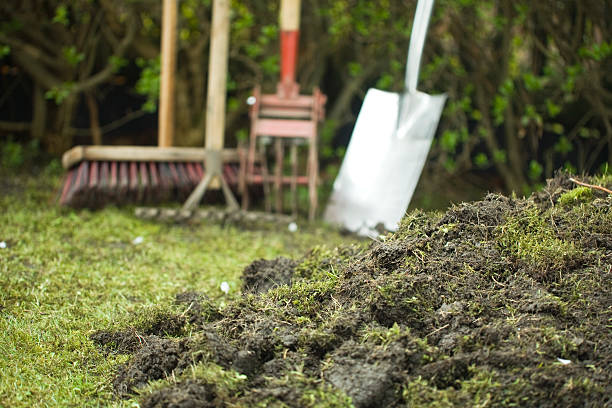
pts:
pixel 117 63
pixel 148 83
pixel 532 82
pixel 233 104
pixel 4 51
pixel 253 50
pixel 553 108
pixel 507 88
pixel 535 170
pixel 570 168
pixel 557 128
pixel 72 55
pixel 500 156
pixel 481 160
pixel 270 31
pixel 500 103
pixel 563 145
pixel 354 68
pixel 270 65
pixel 385 82
pixel 59 93
pixel 449 141
pixel 450 165
pixel 61 15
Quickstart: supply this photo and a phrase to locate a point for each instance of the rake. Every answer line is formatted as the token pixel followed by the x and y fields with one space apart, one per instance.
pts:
pixel 97 175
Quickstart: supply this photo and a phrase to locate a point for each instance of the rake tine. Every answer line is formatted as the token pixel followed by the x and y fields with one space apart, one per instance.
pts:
pixel 144 182
pixel 92 185
pixel 123 182
pixel 68 181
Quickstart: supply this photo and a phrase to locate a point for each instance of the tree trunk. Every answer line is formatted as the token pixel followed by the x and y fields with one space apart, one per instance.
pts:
pixel 39 113
pixel 59 138
pixel 94 121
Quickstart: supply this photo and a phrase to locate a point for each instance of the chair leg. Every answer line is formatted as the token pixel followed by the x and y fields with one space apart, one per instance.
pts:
pixel 278 176
pixel 313 171
pixel 265 177
pixel 243 176
pixel 294 175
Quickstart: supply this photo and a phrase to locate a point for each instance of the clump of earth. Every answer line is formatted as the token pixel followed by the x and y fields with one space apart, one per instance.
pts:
pixel 500 302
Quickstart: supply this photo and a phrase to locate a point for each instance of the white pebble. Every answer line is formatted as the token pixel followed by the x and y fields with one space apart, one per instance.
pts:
pixel 138 240
pixel 293 227
pixel 225 287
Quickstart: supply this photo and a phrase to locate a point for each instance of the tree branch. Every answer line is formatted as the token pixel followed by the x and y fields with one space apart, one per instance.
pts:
pixel 6 126
pixel 106 73
pixel 109 127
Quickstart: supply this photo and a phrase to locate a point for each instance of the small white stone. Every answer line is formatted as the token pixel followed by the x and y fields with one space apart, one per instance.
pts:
pixel 563 361
pixel 293 227
pixel 225 287
pixel 2 244
pixel 138 240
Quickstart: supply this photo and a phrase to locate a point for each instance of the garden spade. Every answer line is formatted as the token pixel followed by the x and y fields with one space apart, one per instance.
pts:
pixel 388 147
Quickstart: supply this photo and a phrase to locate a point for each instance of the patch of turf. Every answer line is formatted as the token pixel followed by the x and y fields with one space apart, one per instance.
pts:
pixel 79 295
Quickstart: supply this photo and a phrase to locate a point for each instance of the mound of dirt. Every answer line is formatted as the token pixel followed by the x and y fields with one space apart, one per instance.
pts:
pixel 501 302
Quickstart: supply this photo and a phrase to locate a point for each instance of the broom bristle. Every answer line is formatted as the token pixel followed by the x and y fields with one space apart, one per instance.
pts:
pixel 93 184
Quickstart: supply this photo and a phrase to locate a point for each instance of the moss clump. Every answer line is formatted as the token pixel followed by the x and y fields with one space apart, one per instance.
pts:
pixel 532 239
pixel 576 196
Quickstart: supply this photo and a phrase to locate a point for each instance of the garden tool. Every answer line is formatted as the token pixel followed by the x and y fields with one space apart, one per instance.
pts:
pixel 145 174
pixel 388 148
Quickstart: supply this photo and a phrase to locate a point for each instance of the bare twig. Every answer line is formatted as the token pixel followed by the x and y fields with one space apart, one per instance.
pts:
pixel 591 185
pixel 437 330
pixel 109 126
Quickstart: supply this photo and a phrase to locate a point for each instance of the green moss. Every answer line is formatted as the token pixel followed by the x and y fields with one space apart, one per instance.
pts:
pixel 305 296
pixel 576 196
pixel 531 238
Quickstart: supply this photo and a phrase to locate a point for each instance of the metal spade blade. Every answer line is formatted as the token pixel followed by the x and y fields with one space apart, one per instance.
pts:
pixel 388 147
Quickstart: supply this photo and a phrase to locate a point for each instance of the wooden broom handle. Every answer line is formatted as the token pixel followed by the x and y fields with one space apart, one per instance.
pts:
pixel 217 75
pixel 290 32
pixel 168 68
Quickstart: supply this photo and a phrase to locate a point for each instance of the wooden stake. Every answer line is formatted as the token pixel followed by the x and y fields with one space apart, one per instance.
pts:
pixel 217 75
pixel 168 68
pixel 215 109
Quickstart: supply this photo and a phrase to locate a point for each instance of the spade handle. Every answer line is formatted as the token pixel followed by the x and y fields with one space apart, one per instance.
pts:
pixel 417 41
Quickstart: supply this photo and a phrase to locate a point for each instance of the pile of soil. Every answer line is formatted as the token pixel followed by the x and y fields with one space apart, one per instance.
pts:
pixel 501 302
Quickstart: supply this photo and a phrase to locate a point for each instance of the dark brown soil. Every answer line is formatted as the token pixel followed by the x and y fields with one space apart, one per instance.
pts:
pixel 263 275
pixel 501 302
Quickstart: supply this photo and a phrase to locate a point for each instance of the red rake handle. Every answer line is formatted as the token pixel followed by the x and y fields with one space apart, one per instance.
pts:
pixel 289 38
pixel 289 44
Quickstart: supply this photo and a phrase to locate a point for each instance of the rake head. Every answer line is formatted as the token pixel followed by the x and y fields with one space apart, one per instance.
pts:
pixel 93 184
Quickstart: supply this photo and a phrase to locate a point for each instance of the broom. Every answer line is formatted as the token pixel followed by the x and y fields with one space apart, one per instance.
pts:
pixel 143 174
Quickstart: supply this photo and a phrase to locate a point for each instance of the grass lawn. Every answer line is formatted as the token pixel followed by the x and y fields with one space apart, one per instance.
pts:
pixel 65 274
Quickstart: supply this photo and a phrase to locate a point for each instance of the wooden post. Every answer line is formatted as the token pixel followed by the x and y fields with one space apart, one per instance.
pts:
pixel 217 75
pixel 215 108
pixel 168 68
